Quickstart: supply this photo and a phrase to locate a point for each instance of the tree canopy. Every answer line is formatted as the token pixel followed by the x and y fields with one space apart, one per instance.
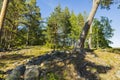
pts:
pixel 23 26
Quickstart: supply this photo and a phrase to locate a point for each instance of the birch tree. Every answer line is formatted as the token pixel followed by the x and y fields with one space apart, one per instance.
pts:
pixel 3 13
pixel 83 35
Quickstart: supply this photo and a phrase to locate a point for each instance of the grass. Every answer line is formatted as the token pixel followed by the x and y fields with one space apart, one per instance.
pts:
pixel 11 59
pixel 106 57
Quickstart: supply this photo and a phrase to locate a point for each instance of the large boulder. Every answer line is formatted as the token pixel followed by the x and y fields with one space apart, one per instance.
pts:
pixel 32 73
pixel 15 75
pixel 21 69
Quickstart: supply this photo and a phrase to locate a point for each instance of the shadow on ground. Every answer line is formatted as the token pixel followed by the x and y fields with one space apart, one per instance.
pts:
pixel 69 66
pixel 63 65
pixel 14 57
pixel 11 58
pixel 1 74
pixel 2 64
pixel 12 49
pixel 89 70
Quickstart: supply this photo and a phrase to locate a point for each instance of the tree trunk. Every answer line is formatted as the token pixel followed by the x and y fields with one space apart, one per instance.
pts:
pixel 97 40
pixel 27 42
pixel 3 12
pixel 90 38
pixel 87 25
pixel 2 15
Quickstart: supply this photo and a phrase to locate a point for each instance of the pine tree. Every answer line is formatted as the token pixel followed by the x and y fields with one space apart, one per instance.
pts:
pixel 101 33
pixel 53 27
pixel 26 14
pixel 77 23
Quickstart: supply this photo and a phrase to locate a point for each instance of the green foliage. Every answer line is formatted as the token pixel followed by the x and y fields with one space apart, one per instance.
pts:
pixel 101 33
pixel 53 25
pixel 11 23
pixel 63 28
pixel 105 4
pixel 58 28
pixel 112 50
pixel 32 17
pixel 75 28
pixel 22 24
pixel 77 23
pixel 50 76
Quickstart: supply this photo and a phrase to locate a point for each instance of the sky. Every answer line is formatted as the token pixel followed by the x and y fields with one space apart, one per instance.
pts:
pixel 79 6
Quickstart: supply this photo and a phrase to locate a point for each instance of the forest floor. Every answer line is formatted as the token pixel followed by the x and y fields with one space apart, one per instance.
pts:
pixel 92 65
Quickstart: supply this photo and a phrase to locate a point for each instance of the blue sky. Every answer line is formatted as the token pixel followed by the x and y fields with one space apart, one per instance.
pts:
pixel 79 6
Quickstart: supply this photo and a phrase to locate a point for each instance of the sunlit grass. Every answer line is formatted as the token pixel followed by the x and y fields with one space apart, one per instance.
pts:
pixel 36 51
pixel 106 58
pixel 11 59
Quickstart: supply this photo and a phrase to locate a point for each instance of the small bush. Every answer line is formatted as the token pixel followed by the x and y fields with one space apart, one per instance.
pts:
pixel 50 76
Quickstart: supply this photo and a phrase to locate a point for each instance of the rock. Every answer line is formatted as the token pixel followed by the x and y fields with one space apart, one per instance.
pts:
pixel 30 62
pixel 15 75
pixel 2 50
pixel 9 71
pixel 60 64
pixel 39 60
pixel 68 52
pixel 1 78
pixel 56 53
pixel 46 56
pixel 32 73
pixel 45 65
pixel 21 69
pixel 42 58
pixel 93 55
pixel 117 74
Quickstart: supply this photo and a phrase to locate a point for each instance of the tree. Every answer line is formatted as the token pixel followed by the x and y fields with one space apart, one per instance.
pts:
pixel 77 23
pixel 32 19
pixel 59 28
pixel 13 15
pixel 3 13
pixel 101 33
pixel 65 27
pixel 1 1
pixel 88 23
pixel 54 23
pixel 20 15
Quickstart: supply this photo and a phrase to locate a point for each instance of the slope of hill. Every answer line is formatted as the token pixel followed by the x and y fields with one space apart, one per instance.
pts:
pixel 60 65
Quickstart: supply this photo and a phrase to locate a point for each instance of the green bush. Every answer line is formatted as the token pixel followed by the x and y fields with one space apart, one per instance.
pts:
pixel 50 76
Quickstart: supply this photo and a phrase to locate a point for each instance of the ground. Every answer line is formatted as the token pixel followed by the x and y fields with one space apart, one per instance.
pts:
pixel 99 64
pixel 11 59
pixel 105 58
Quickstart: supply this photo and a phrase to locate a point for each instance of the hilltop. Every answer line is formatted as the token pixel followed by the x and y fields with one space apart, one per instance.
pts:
pixel 102 64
